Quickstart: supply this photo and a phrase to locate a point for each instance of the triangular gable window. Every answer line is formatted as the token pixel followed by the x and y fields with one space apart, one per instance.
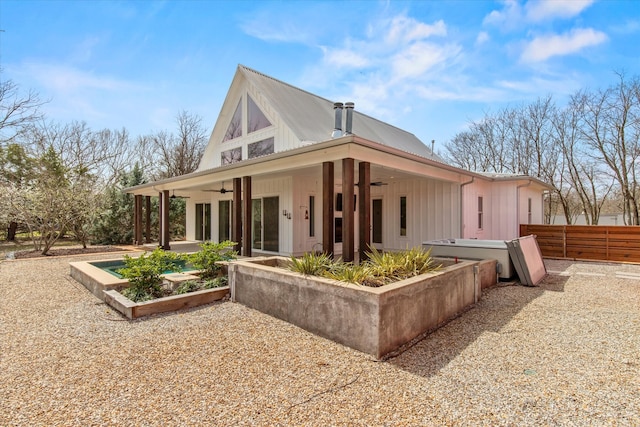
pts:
pixel 256 118
pixel 235 127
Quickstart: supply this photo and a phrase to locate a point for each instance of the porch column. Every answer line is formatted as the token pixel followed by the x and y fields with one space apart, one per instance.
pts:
pixel 164 227
pixel 147 222
pixel 248 217
pixel 348 216
pixel 364 205
pixel 160 219
pixel 137 219
pixel 236 221
pixel 327 207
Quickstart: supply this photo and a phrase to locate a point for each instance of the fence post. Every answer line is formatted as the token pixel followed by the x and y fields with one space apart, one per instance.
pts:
pixel 564 241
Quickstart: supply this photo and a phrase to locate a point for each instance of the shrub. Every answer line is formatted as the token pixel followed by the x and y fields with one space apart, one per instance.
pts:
pixel 187 286
pixel 350 273
pixel 144 274
pixel 207 259
pixel 311 264
pixel 198 285
pixel 380 268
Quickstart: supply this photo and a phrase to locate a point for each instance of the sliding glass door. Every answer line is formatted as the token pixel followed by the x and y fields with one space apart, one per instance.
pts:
pixel 203 221
pixel 266 224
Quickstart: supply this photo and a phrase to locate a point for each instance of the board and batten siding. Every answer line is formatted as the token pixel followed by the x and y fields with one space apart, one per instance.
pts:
pixel 432 212
pixel 280 187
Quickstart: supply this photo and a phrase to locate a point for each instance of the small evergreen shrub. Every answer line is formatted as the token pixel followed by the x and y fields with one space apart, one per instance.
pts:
pixel 211 253
pixel 144 274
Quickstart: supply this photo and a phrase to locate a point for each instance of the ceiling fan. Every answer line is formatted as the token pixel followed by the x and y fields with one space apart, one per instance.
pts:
pixel 173 196
pixel 375 184
pixel 222 190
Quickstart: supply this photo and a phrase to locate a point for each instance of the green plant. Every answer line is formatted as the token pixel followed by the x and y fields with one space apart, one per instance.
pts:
pixel 187 286
pixel 198 285
pixel 144 274
pixel 218 282
pixel 380 269
pixel 311 264
pixel 350 273
pixel 393 266
pixel 208 258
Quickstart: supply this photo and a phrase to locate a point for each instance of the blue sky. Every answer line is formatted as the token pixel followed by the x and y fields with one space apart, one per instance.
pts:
pixel 428 67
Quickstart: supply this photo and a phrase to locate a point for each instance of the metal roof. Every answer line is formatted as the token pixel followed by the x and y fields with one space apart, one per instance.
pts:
pixel 311 117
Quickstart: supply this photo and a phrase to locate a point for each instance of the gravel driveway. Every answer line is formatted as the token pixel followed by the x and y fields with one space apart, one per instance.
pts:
pixel 565 353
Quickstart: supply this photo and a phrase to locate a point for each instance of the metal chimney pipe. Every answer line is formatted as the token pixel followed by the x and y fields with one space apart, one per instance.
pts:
pixel 337 130
pixel 349 125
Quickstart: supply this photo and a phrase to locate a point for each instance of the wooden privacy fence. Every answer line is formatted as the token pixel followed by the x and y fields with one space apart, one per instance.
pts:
pixel 593 242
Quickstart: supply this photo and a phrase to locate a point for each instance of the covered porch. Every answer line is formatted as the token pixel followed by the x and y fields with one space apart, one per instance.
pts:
pixel 325 197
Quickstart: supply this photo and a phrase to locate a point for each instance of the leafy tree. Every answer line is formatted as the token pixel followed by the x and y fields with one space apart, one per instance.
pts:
pixel 45 203
pixel 17 111
pixel 113 224
pixel 17 168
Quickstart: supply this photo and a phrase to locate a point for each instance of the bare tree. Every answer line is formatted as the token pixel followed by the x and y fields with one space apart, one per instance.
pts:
pixel 16 110
pixel 610 129
pixel 103 154
pixel 181 153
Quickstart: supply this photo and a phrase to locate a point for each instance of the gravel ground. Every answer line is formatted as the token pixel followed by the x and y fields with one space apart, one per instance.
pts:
pixel 564 353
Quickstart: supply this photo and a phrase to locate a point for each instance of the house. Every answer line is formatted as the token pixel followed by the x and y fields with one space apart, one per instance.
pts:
pixel 288 172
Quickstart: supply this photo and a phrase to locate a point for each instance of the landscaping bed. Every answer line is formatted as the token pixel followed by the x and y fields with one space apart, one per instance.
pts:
pixel 134 310
pixel 155 283
pixel 375 320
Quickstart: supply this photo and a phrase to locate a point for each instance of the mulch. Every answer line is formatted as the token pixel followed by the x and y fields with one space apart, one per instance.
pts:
pixel 62 252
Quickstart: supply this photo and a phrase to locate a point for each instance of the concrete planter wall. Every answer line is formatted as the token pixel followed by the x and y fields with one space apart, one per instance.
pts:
pixel 376 321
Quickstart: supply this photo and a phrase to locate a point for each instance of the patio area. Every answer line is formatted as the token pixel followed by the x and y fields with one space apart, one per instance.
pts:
pixel 566 352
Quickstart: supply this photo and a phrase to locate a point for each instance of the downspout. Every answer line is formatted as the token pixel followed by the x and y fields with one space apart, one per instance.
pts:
pixel 473 178
pixel 518 205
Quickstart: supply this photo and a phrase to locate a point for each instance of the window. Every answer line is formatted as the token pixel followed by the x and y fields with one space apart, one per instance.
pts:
pixel 339 202
pixel 312 216
pixel 256 119
pixel 225 213
pixel 235 126
pixel 480 214
pixel 260 148
pixel 231 156
pixel 376 221
pixel 403 216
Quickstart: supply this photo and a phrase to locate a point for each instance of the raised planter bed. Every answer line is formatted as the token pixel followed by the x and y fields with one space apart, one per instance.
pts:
pixel 134 310
pixel 106 287
pixel 377 321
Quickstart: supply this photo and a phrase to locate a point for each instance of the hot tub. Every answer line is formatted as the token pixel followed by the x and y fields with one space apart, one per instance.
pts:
pixel 474 249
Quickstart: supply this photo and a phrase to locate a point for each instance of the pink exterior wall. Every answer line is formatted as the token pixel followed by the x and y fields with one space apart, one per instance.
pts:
pixel 505 207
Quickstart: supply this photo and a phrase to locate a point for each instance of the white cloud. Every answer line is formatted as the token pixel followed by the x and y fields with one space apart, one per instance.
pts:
pixel 630 26
pixel 507 18
pixel 344 58
pixel 419 58
pixel 406 30
pixel 396 55
pixel 545 47
pixel 264 26
pixel 513 15
pixel 482 38
pixel 65 79
pixel 541 10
